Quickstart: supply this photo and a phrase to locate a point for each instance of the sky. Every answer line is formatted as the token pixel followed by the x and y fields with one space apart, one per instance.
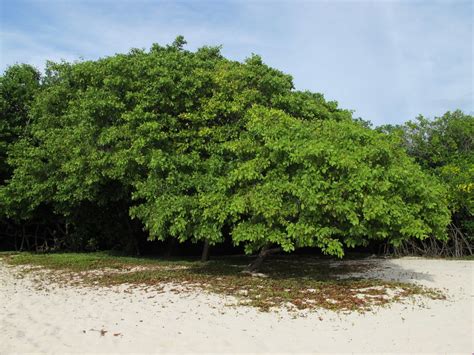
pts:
pixel 388 61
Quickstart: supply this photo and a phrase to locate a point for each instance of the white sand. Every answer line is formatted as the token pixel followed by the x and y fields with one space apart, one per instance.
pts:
pixel 69 320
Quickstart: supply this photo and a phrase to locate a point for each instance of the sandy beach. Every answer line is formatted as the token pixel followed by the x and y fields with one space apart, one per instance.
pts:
pixel 65 319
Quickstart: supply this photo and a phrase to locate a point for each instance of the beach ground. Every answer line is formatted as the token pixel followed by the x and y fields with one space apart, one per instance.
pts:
pixel 38 316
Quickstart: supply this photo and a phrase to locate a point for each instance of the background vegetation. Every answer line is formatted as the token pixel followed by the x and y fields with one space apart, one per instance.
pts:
pixel 444 147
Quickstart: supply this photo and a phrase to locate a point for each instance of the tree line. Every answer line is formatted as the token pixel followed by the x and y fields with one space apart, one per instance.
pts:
pixel 170 144
pixel 444 147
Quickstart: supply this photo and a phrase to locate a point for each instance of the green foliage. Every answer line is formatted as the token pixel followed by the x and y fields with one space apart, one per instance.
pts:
pixel 444 146
pixel 192 144
pixel 18 86
pixel 327 184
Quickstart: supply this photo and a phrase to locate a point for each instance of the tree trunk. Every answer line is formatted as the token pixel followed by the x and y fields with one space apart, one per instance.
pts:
pixel 133 242
pixel 170 247
pixel 257 263
pixel 459 233
pixel 36 237
pixel 205 251
pixel 22 237
pixel 27 239
pixel 16 241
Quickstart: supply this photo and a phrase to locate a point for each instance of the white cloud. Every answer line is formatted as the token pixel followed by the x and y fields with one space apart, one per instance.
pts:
pixel 387 60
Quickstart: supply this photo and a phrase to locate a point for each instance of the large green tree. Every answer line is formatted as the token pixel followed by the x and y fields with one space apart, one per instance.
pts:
pixel 193 146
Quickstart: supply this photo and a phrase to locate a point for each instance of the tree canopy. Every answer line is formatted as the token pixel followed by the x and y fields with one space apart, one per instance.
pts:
pixel 18 87
pixel 194 146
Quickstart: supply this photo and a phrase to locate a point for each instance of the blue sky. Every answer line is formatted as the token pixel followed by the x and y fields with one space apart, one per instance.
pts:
pixel 387 60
